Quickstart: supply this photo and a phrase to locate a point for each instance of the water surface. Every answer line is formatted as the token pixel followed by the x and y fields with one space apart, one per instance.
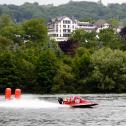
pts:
pixel 43 110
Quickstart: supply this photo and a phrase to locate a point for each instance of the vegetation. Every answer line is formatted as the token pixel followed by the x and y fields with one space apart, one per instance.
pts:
pixel 84 64
pixel 86 11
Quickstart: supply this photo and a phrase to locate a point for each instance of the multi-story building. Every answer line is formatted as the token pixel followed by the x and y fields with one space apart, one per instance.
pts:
pixel 87 26
pixel 61 27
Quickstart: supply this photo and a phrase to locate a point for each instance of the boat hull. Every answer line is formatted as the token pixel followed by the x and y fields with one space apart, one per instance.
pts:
pixel 83 105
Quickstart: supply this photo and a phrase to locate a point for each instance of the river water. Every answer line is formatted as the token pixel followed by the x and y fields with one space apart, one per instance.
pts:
pixel 43 110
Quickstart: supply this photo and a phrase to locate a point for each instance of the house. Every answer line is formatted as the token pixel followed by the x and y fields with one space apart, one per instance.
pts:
pixel 101 24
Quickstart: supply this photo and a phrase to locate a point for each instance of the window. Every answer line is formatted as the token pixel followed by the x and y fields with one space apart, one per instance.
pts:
pixel 64 30
pixel 68 22
pixel 69 30
pixel 65 35
pixel 64 26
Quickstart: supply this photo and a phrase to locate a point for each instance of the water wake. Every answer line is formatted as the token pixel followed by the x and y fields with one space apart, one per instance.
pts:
pixel 29 103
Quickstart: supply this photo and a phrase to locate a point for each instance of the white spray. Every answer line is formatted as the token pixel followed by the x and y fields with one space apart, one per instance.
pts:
pixel 29 102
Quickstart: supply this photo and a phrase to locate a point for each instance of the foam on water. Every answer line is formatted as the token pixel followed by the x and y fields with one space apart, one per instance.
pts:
pixel 29 103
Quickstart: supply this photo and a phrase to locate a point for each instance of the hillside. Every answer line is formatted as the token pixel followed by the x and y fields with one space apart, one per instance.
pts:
pixel 79 10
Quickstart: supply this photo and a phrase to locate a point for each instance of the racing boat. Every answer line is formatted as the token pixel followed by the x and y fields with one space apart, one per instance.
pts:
pixel 76 102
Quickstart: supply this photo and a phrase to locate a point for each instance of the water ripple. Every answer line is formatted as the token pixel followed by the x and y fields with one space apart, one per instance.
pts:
pixel 111 111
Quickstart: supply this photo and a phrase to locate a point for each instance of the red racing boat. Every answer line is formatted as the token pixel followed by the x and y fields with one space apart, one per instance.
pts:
pixel 77 102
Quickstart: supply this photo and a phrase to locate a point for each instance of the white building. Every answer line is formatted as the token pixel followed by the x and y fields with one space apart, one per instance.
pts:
pixel 104 26
pixel 87 26
pixel 60 28
pixel 101 24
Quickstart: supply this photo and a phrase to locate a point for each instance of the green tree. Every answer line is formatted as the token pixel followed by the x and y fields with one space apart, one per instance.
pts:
pixel 82 62
pixel 8 71
pixel 108 38
pixel 82 68
pixel 14 33
pixel 64 80
pixel 114 22
pixel 85 39
pixel 109 72
pixel 35 30
pixel 87 19
pixel 5 20
pixel 78 36
pixel 5 44
pixel 46 70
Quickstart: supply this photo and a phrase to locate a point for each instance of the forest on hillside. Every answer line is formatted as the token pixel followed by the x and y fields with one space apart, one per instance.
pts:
pixel 79 10
pixel 85 64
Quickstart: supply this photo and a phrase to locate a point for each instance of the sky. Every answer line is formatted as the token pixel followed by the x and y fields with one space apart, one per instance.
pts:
pixel 55 2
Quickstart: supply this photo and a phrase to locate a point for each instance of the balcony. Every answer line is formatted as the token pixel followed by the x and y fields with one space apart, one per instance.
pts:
pixel 59 39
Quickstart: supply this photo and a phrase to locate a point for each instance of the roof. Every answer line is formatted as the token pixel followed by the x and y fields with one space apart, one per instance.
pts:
pixel 84 23
pixel 57 19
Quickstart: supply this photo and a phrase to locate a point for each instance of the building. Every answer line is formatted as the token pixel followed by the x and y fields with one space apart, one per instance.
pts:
pixel 60 28
pixel 87 26
pixel 101 24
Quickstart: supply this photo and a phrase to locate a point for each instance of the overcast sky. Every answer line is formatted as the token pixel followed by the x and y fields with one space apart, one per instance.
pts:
pixel 55 2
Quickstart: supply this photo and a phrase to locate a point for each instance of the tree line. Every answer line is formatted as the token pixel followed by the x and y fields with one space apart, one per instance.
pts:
pixel 78 10
pixel 84 64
